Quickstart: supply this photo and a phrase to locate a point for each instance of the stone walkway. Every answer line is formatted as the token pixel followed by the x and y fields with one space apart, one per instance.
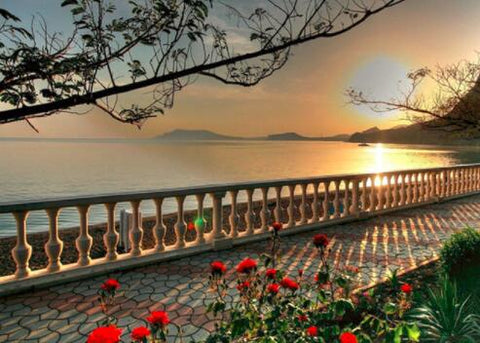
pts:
pixel 68 313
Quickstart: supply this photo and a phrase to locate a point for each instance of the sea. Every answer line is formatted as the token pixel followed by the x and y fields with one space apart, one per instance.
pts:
pixel 36 169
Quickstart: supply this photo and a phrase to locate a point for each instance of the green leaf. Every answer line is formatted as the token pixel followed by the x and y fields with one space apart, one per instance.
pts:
pixel 389 308
pixel 413 332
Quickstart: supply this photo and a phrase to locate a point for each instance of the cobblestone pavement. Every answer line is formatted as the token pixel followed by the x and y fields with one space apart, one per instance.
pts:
pixel 67 313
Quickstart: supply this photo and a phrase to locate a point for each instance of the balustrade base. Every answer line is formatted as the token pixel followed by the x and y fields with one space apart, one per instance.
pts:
pixel 222 244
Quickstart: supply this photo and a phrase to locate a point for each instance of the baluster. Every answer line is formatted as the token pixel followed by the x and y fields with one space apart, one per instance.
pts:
pixel 453 180
pixel 84 240
pixel 278 204
pixel 264 212
pixel 446 184
pixel 22 251
pixel 380 194
pixel 315 212
pixel 234 216
pixel 395 190
pixel 249 215
pixel 54 246
pixel 462 181
pixel 326 200
pixel 477 179
pixel 136 233
pixel 388 202
pixel 355 196
pixel 422 187
pixel 372 195
pixel 415 187
pixel 346 201
pixel 409 189
pixel 217 224
pixel 470 178
pixel 336 200
pixel 180 226
pixel 160 229
pixel 364 195
pixel 200 222
pixel 402 190
pixel 303 205
pixel 291 206
pixel 433 185
pixel 110 238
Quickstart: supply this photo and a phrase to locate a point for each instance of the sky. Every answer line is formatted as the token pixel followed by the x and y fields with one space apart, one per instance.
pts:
pixel 307 95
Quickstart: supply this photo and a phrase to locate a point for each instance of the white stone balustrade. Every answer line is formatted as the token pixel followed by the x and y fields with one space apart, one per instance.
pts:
pixel 321 201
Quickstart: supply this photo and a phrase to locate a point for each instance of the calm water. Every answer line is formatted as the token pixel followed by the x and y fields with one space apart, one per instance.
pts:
pixel 44 169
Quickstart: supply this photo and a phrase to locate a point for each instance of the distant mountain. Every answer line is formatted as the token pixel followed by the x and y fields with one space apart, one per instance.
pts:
pixel 411 134
pixel 195 135
pixel 209 135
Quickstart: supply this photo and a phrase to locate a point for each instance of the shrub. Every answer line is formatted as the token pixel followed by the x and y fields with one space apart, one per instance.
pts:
pixel 461 250
pixel 444 318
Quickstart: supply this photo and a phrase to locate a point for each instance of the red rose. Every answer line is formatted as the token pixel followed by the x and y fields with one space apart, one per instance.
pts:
pixel 348 337
pixel 320 240
pixel 190 226
pixel 140 334
pixel 289 284
pixel 271 273
pixel 277 226
pixel 246 266
pixel 312 331
pixel 300 272
pixel 273 288
pixel 302 318
pixel 105 334
pixel 110 285
pixel 218 267
pixel 158 318
pixel 243 286
pixel 406 288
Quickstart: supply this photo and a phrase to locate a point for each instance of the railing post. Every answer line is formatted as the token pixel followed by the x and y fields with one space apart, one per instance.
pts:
pixel 326 201
pixel 388 202
pixel 234 216
pixel 264 212
pixel 291 206
pixel 54 246
pixel 180 226
pixel 346 199
pixel 200 222
pixel 336 200
pixel 303 205
pixel 395 190
pixel 110 238
pixel 278 204
pixel 84 240
pixel 249 215
pixel 409 189
pixel 136 233
pixel 160 229
pixel 380 194
pixel 355 196
pixel 372 206
pixel 22 251
pixel 218 237
pixel 364 194
pixel 315 212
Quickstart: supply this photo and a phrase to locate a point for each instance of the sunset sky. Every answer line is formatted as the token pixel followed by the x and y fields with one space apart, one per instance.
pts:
pixel 307 95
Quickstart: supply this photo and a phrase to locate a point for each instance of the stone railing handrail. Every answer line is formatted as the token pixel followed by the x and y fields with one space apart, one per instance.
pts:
pixel 322 201
pixel 59 202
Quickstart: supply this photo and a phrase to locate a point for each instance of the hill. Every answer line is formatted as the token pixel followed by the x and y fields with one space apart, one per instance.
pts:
pixel 194 135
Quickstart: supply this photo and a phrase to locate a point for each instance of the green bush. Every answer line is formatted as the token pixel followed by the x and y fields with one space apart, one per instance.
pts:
pixel 461 250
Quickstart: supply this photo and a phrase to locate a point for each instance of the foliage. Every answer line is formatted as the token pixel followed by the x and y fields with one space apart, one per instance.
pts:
pixel 445 98
pixel 273 307
pixel 461 250
pixel 445 318
pixel 115 47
